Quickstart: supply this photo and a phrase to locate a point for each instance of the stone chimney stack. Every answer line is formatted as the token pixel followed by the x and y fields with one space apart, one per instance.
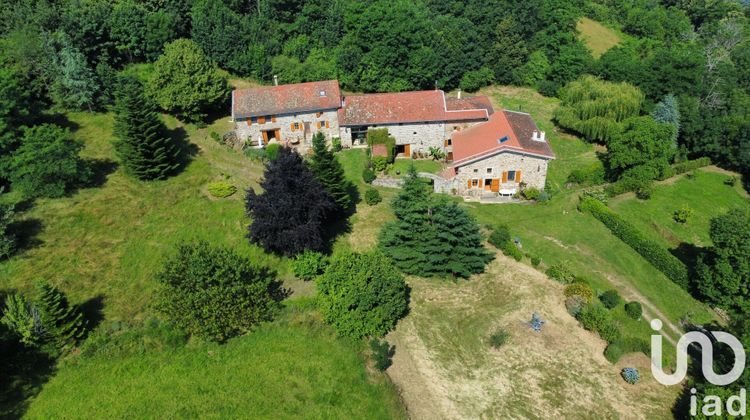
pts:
pixel 459 94
pixel 275 80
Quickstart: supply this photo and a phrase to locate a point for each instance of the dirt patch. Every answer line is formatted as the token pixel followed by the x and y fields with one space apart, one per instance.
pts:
pixel 444 367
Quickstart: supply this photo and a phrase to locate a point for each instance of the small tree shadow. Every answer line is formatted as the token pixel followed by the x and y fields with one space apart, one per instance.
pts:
pixel 688 254
pixel 100 171
pixel 93 311
pixel 335 226
pixel 25 231
pixel 187 150
pixel 23 371
pixel 58 119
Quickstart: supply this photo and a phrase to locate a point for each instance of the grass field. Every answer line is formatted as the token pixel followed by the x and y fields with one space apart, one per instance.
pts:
pixel 705 194
pixel 288 369
pixel 597 37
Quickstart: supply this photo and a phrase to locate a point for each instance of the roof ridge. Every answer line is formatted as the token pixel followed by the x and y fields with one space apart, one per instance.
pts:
pixel 288 84
pixel 394 93
pixel 516 112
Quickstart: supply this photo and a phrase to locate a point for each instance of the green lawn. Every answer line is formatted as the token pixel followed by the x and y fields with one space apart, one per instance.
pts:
pixel 400 167
pixel 705 194
pixel 287 369
pixel 597 37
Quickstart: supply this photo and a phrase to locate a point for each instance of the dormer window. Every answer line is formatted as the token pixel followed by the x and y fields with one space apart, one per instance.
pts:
pixel 322 93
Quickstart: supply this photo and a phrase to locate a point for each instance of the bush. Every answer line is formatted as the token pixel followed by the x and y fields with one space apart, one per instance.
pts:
pixel 336 144
pixel 256 154
pixel 630 375
pixel 616 349
pixel 610 299
pixel 690 165
pixel 362 295
pixel 379 163
pixel 499 338
pixel 216 294
pixel 595 317
pixel 511 249
pixel 581 290
pixel 530 193
pixel 221 189
pixel 682 215
pixel 372 197
pixel 474 80
pixel 382 354
pixel 7 237
pixel 272 151
pixel 634 310
pixel 731 181
pixel 561 272
pixel 368 175
pixel 382 136
pixel 216 137
pixel 437 153
pixel 574 304
pixel 543 197
pixel 653 252
pixel 644 192
pixel 597 194
pixel 499 236
pixel 535 261
pixel 309 264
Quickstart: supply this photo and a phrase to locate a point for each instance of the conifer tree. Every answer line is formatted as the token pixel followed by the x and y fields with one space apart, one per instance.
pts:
pixel 455 248
pixel 328 171
pixel 143 146
pixel 63 321
pixel 288 216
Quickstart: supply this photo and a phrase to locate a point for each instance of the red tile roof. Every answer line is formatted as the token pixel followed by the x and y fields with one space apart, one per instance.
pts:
pixel 474 102
pixel 505 131
pixel 403 107
pixel 286 99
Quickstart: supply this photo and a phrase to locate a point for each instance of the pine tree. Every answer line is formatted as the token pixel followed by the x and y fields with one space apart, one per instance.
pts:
pixel 143 146
pixel 403 240
pixel 60 319
pixel 328 171
pixel 455 247
pixel 288 216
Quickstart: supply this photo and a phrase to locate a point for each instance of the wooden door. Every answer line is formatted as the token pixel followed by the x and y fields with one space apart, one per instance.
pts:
pixel 505 176
pixel 518 177
pixel 265 137
pixel 407 150
pixel 495 185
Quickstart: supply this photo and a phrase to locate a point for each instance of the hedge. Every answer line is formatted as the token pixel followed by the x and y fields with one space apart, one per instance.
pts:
pixel 658 256
pixel 627 185
pixel 618 348
pixel 690 165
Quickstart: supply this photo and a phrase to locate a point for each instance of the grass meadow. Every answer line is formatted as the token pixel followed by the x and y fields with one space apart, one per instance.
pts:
pixel 597 37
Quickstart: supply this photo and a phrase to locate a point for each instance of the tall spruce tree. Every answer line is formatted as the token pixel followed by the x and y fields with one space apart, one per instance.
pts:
pixel 288 216
pixel 63 321
pixel 455 247
pixel 328 171
pixel 143 146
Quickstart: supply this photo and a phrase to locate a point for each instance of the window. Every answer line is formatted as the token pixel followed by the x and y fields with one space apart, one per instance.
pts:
pixel 511 175
pixel 295 126
pixel 474 183
pixel 273 118
pixel 253 120
pixel 489 170
pixel 415 133
pixel 322 93
pixel 318 114
pixel 261 120
pixel 476 171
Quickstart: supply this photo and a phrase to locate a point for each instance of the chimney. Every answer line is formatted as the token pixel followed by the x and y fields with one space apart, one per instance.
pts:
pixel 275 80
pixel 459 94
pixel 538 136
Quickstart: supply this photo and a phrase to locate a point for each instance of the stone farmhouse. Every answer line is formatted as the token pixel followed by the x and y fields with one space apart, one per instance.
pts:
pixel 492 153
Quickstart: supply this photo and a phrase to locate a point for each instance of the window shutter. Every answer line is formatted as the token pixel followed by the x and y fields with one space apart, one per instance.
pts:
pixel 518 176
pixel 495 185
pixel 261 120
pixel 249 122
pixel 469 184
pixel 505 176
pixel 328 124
pixel 292 126
pixel 273 118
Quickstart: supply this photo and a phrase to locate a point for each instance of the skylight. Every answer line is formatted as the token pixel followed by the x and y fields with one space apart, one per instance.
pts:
pixel 503 139
pixel 322 93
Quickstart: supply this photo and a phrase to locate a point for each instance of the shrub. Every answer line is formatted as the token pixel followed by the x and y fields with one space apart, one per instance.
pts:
pixel 256 154
pixel 214 293
pixel 630 375
pixel 634 310
pixel 536 322
pixel 216 137
pixel 362 295
pixel 382 136
pixel 644 192
pixel 511 249
pixel 336 144
pixel 581 290
pixel 535 261
pixel 473 80
pixel 382 354
pixel 597 194
pixel 589 175
pixel 368 175
pixel 595 317
pixel 500 236
pixel 653 252
pixel 731 181
pixel 574 304
pixel 62 321
pixel 272 151
pixel 22 318
pixel 690 165
pixel 221 189
pixel 683 214
pixel 379 163
pixel 616 349
pixel 530 193
pixel 7 238
pixel 372 197
pixel 499 338
pixel 543 197
pixel 561 272
pixel 610 299
pixel 309 264
pixel 437 153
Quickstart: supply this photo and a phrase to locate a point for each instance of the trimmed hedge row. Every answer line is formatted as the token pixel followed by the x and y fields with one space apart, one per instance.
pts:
pixel 690 165
pixel 619 347
pixel 628 184
pixel 654 253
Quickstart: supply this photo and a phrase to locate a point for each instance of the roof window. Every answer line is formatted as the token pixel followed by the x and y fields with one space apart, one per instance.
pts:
pixel 502 139
pixel 322 93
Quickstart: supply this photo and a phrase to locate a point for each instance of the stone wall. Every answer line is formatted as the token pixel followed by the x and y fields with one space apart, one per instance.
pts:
pixel 300 138
pixel 533 171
